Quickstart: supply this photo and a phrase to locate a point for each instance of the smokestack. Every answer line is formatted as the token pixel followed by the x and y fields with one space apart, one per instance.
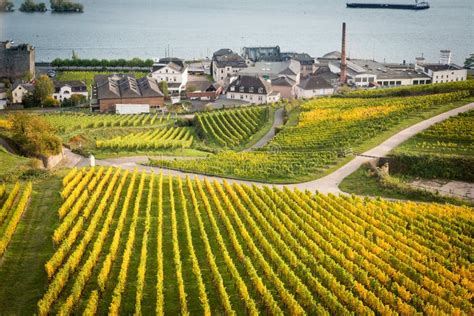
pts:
pixel 343 78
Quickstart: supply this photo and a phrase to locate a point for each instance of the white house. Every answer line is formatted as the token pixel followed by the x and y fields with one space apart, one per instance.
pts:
pixel 313 86
pixel 65 89
pixel 172 70
pixel 252 89
pixel 226 64
pixel 20 90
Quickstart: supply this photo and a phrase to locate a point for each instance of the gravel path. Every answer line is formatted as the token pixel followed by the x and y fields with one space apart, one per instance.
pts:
pixel 327 184
pixel 278 121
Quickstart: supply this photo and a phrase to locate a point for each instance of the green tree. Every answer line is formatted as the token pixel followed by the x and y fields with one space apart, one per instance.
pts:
pixel 469 62
pixel 44 88
pixel 164 88
pixel 34 135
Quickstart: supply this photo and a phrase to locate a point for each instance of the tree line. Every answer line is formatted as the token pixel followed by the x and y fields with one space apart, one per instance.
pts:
pixel 79 62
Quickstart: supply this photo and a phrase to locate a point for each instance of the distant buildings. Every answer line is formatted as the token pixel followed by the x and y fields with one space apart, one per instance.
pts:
pixel 273 70
pixel 225 64
pixel 65 89
pixel 123 89
pixel 16 61
pixel 254 54
pixel 252 89
pixel 442 72
pixel 172 70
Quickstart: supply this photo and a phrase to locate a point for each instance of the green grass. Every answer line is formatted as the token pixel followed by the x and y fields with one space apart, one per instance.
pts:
pixel 22 272
pixel 12 165
pixel 364 182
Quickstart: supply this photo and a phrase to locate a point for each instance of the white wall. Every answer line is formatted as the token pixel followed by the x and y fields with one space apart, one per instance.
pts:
pixel 171 76
pixel 449 75
pixel 308 94
pixel 132 108
pixel 252 98
pixel 66 92
pixel 18 94
pixel 221 74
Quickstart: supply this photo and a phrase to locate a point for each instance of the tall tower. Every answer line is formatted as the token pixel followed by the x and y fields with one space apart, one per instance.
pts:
pixel 445 57
pixel 343 78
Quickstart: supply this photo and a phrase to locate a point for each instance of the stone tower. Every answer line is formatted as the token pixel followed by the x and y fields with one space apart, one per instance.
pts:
pixel 16 60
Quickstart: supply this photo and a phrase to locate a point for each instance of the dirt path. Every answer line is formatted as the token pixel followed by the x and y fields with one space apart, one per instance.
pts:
pixel 327 184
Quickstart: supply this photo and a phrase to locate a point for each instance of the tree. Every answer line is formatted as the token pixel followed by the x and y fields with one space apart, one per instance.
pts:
pixel 34 135
pixel 469 63
pixel 164 88
pixel 43 89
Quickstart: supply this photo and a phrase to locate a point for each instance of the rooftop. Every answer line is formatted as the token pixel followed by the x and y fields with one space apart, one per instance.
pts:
pixel 125 86
pixel 314 82
pixel 250 84
pixel 441 67
pixel 273 70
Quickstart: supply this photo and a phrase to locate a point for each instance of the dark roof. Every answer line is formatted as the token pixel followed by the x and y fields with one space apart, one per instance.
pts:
pixel 203 85
pixel 262 53
pixel 250 84
pixel 441 67
pixel 303 58
pixel 283 81
pixel 178 66
pixel 230 60
pixel 332 55
pixel 325 73
pixel 313 82
pixel 174 60
pixel 125 86
pixel 27 86
pixel 222 52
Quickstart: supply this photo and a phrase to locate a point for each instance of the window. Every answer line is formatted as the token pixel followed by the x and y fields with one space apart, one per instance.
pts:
pixel 232 88
pixel 260 98
pixel 251 90
pixel 241 97
pixel 241 89
pixel 166 70
pixel 222 71
pixel 260 90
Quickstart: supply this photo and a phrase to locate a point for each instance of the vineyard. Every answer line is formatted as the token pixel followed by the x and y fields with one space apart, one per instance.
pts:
pixel 161 138
pixel 329 130
pixel 230 128
pixel 74 121
pixel 133 243
pixel 414 90
pixel 445 151
pixel 454 136
pixel 12 205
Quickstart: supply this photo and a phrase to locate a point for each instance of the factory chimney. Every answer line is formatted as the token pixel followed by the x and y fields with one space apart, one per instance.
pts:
pixel 343 78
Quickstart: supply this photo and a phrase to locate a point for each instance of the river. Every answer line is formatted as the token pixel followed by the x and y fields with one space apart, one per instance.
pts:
pixel 196 28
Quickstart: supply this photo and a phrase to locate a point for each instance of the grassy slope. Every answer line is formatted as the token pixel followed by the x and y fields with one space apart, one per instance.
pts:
pixel 10 163
pixel 362 183
pixel 22 268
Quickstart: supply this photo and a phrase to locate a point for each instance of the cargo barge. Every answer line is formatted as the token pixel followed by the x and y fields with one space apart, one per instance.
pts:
pixel 417 6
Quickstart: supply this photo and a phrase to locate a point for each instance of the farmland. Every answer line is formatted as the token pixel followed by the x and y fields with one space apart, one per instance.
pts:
pixel 328 132
pixel 151 243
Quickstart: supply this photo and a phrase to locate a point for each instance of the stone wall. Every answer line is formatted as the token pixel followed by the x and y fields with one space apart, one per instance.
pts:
pixel 16 61
pixel 52 161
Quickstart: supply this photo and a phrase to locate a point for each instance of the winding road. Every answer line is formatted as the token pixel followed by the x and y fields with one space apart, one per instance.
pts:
pixel 327 184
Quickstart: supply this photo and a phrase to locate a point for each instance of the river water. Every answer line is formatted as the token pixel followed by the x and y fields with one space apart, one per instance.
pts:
pixel 196 28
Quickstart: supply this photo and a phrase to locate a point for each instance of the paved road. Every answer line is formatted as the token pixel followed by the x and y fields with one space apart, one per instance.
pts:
pixel 278 121
pixel 327 184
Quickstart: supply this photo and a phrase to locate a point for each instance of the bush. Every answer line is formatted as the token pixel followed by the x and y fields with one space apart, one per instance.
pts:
pixel 51 103
pixel 434 166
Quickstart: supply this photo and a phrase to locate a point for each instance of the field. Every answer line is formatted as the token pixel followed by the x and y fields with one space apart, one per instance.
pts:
pixel 231 128
pixel 149 244
pixel 414 90
pixel 329 131
pixel 454 136
pixel 12 165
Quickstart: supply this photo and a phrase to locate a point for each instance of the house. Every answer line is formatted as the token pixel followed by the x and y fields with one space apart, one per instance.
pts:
pixel 255 54
pixel 65 89
pixel 307 63
pixel 366 73
pixel 274 70
pixel 172 70
pixel 285 86
pixel 252 89
pixel 313 86
pixel 20 90
pixel 226 64
pixel 125 89
pixel 203 90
